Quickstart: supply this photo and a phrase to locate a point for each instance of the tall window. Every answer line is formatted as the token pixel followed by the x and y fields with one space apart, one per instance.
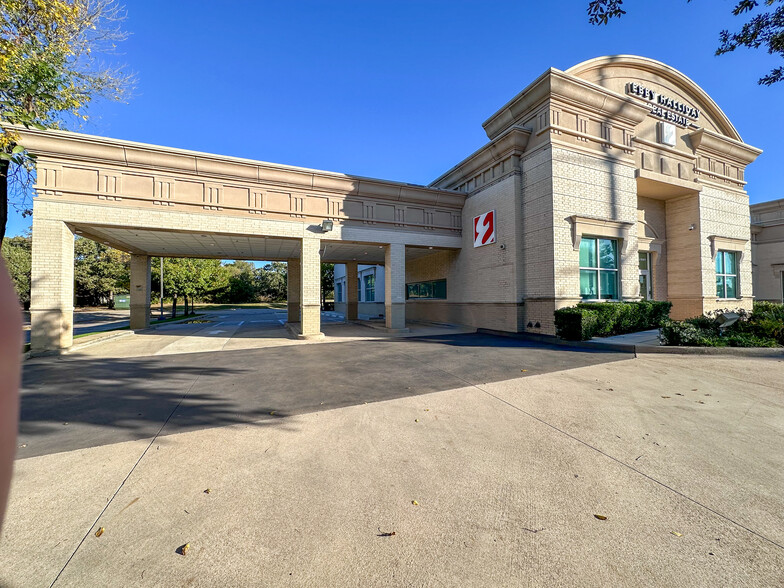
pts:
pixel 726 274
pixel 598 269
pixel 339 292
pixel 370 288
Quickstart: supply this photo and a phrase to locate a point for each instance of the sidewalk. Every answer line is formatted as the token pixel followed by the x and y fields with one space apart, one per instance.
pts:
pixel 489 484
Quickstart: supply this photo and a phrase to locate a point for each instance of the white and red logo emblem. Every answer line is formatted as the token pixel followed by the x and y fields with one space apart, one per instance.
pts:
pixel 484 229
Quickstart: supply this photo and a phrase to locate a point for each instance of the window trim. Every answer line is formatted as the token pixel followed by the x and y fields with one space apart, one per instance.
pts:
pixel 598 269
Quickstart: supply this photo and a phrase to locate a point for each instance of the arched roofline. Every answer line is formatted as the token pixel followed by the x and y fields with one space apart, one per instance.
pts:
pixel 667 72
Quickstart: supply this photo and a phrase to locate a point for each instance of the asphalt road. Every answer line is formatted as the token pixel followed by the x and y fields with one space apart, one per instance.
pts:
pixel 78 401
pixel 90 321
pixel 94 321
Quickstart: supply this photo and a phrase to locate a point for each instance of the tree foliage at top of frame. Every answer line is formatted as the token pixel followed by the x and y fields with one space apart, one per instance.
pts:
pixel 50 71
pixel 764 29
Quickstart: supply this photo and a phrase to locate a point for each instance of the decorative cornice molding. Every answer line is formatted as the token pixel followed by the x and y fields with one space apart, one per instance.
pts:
pixel 708 142
pixel 77 147
pixel 728 244
pixel 569 90
pixel 512 142
pixel 599 227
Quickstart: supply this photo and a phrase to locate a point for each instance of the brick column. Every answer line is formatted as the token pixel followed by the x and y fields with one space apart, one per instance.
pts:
pixel 293 279
pixel 352 291
pixel 51 304
pixel 140 291
pixel 395 286
pixel 310 289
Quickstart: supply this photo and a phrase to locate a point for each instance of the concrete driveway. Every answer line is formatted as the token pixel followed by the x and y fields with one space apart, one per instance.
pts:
pixel 487 457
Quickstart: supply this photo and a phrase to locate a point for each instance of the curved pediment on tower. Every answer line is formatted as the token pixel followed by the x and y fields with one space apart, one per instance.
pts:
pixel 671 95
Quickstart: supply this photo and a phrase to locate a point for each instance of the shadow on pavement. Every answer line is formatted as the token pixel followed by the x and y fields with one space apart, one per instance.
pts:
pixel 78 401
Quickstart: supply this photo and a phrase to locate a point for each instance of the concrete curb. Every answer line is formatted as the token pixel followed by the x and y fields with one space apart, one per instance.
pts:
pixel 733 351
pixel 552 340
pixel 643 349
pixel 380 327
pixel 102 336
pixel 98 339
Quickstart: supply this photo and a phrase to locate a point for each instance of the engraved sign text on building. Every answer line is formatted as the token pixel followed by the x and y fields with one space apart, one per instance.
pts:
pixel 663 106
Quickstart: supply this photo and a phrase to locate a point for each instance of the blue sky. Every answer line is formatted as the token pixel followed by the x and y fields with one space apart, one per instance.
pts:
pixel 399 90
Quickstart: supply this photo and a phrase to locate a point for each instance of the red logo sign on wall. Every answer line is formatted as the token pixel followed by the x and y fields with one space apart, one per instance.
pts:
pixel 484 229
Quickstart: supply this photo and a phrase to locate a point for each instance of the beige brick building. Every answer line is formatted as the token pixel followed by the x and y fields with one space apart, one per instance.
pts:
pixel 617 179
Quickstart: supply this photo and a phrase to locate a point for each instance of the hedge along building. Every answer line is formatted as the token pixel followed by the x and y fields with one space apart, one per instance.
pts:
pixel 614 180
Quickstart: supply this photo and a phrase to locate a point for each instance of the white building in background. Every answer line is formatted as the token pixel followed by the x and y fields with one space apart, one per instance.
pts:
pixel 370 290
pixel 767 250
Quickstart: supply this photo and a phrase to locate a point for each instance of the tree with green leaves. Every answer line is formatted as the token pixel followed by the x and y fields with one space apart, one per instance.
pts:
pixel 49 74
pixel 190 279
pixel 99 272
pixel 272 280
pixel 18 255
pixel 242 284
pixel 327 282
pixel 765 28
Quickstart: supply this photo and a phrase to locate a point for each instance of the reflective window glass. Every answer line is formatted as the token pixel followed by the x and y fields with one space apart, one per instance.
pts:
pixel 608 285
pixel 588 285
pixel 587 252
pixel 608 253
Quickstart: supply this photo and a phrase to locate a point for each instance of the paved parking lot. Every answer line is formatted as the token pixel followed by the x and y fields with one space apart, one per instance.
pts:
pixel 487 457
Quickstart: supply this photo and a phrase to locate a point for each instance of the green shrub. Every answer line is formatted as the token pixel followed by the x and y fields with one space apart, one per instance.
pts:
pixel 575 324
pixel 763 328
pixel 768 310
pixel 603 319
pixel 683 333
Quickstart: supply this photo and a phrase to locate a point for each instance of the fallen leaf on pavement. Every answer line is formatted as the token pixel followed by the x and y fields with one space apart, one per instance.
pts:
pixel 600 517
pixel 676 533
pixel 415 503
pixel 183 549
pixel 207 491
pixel 99 532
pixel 416 420
pixel 523 370
pixel 385 534
pixel 666 396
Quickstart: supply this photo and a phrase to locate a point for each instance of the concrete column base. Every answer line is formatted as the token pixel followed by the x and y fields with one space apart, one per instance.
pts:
pixel 140 317
pixel 313 337
pixel 395 315
pixel 52 329
pixel 293 284
pixel 352 293
pixel 311 320
pixel 140 292
pixel 352 311
pixel 295 329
